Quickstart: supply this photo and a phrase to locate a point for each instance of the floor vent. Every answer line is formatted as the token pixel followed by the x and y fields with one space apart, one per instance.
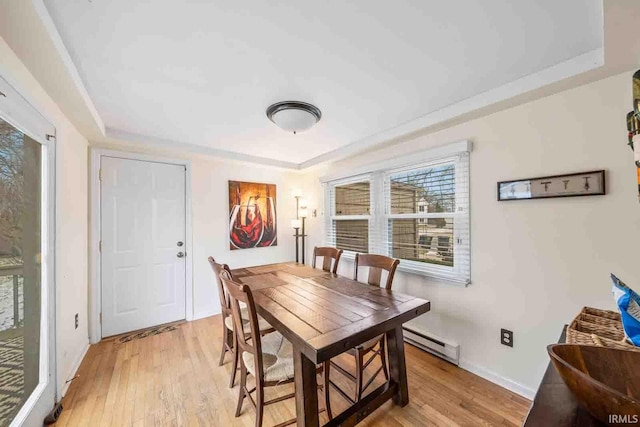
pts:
pixel 437 346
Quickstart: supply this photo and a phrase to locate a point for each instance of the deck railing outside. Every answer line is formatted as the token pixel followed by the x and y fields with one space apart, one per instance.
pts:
pixel 11 269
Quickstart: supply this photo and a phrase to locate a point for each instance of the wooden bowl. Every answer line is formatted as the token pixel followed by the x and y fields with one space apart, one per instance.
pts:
pixel 605 381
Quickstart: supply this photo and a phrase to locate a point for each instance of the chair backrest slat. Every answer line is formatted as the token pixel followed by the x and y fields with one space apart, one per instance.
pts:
pixel 375 276
pixel 376 264
pixel 328 254
pixel 326 263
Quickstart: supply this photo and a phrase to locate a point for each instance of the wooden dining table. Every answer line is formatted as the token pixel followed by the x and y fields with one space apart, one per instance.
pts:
pixel 323 315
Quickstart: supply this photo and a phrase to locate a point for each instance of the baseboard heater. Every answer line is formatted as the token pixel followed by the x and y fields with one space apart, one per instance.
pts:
pixel 437 346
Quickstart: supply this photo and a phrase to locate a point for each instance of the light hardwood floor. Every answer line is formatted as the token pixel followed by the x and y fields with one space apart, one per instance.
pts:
pixel 174 379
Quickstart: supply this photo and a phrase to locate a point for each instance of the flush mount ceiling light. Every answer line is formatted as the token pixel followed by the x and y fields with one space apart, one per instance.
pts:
pixel 294 116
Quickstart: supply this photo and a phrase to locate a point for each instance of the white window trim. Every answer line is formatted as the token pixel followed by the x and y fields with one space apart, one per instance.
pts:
pixel 20 113
pixel 377 174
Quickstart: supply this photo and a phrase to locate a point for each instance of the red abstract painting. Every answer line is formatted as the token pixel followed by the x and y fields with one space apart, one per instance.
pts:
pixel 252 215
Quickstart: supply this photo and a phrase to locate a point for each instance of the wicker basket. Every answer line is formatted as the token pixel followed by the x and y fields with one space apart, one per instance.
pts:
pixel 606 314
pixel 602 328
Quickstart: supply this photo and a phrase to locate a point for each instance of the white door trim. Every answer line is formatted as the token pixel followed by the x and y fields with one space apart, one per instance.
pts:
pixel 95 284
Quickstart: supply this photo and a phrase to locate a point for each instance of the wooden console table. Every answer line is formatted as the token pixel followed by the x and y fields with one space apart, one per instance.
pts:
pixel 554 404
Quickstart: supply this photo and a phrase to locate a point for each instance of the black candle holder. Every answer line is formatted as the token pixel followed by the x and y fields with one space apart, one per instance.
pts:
pixel 299 235
pixel 303 236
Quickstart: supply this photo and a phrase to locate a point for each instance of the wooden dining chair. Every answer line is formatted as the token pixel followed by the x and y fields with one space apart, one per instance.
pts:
pixel 268 358
pixel 376 264
pixel 328 254
pixel 228 336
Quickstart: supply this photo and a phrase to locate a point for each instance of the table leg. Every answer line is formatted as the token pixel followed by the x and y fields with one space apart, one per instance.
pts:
pixel 306 390
pixel 397 365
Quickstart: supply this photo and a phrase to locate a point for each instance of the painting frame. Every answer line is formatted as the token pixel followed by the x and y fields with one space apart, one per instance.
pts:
pixel 252 215
pixel 599 190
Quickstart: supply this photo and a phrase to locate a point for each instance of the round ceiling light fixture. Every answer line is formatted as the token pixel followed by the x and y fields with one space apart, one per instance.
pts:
pixel 294 116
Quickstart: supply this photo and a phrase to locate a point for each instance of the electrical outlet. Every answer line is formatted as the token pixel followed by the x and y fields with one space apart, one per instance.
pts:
pixel 506 337
pixel 76 320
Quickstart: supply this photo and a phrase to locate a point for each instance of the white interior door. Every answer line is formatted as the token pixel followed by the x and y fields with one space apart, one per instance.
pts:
pixel 143 215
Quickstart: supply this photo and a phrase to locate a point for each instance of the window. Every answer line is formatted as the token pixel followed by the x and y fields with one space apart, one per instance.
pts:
pixel 350 214
pixel 26 254
pixel 20 158
pixel 418 213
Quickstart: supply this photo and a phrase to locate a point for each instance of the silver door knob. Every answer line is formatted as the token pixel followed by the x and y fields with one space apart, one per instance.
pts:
pixel 180 254
pixel 180 244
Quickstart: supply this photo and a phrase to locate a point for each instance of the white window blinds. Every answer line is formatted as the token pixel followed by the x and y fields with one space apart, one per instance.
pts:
pixel 349 214
pixel 427 218
pixel 418 213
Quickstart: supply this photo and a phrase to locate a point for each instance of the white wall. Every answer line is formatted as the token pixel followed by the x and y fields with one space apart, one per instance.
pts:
pixel 71 217
pixel 211 223
pixel 210 216
pixel 534 263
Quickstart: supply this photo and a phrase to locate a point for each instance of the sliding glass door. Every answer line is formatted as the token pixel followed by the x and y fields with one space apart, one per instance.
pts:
pixel 26 297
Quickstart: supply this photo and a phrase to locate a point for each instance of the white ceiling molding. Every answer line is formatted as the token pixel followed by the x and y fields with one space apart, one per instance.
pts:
pixel 567 69
pixel 153 142
pixel 26 26
pixel 581 64
pixel 19 23
pixel 578 65
pixel 370 68
pixel 50 27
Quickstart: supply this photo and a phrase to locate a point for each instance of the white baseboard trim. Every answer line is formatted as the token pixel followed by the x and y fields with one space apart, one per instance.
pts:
pixel 513 386
pixel 206 313
pixel 74 370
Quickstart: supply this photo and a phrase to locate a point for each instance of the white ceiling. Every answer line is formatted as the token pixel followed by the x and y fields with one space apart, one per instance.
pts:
pixel 203 72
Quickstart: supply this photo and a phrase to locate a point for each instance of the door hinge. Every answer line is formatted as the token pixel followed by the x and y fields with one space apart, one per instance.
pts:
pixel 101 318
pixel 100 174
pixel 100 246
